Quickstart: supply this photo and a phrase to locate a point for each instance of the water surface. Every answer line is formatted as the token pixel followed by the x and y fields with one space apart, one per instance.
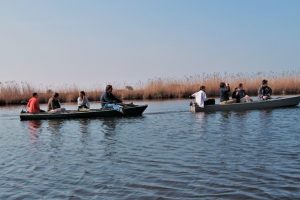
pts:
pixel 168 153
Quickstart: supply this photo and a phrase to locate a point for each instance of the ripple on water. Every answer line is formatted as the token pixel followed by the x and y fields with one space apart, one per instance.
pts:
pixel 162 155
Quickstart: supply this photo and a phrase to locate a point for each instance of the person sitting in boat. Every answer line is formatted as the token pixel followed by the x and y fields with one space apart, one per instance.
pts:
pixel 234 95
pixel 33 105
pixel 54 105
pixel 224 94
pixel 108 100
pixel 201 99
pixel 241 95
pixel 83 102
pixel 264 92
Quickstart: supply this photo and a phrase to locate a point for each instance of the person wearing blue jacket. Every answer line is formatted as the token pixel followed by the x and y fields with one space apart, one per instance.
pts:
pixel 108 100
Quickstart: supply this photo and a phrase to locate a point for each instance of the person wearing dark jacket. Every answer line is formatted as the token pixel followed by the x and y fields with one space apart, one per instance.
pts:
pixel 224 92
pixel 234 94
pixel 107 99
pixel 241 95
pixel 264 92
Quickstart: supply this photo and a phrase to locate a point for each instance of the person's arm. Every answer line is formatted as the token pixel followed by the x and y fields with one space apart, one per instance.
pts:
pixel 79 101
pixel 37 105
pixel 103 98
pixel 117 100
pixel 58 104
pixel 28 104
pixel 87 103
pixel 259 92
pixel 50 106
pixel 194 95
pixel 204 96
pixel 270 91
pixel 228 88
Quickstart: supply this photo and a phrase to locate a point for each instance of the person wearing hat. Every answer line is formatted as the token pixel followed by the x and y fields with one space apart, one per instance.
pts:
pixel 264 92
pixel 108 100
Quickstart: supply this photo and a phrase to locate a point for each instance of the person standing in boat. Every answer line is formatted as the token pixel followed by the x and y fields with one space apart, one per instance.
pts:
pixel 201 99
pixel 33 105
pixel 264 92
pixel 54 105
pixel 108 100
pixel 82 101
pixel 224 92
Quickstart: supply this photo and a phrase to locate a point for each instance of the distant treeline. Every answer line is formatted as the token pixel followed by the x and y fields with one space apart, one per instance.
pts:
pixel 282 84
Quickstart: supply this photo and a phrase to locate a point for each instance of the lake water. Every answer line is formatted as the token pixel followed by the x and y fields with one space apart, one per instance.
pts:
pixel 168 153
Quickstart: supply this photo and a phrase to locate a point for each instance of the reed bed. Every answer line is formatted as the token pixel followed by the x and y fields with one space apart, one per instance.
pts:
pixel 282 84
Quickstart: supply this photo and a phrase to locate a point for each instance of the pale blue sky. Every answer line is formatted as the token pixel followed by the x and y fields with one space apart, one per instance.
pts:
pixel 96 42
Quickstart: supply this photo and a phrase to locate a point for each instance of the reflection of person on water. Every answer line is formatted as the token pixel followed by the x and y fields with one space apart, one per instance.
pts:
pixel 33 105
pixel 108 100
pixel 54 126
pixel 264 92
pixel 54 105
pixel 200 98
pixel 34 127
pixel 82 101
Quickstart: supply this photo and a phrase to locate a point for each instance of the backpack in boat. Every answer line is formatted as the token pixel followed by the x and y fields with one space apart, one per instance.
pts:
pixel 210 102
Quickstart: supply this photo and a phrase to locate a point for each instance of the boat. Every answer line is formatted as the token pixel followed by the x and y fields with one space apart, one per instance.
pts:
pixel 278 102
pixel 126 111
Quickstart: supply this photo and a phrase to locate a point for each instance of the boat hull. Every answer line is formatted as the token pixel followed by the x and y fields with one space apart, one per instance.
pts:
pixel 255 105
pixel 132 110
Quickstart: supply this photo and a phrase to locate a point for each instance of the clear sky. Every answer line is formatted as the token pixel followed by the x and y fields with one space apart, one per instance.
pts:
pixel 96 42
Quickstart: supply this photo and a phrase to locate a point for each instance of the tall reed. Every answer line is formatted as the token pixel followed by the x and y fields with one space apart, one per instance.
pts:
pixel 281 83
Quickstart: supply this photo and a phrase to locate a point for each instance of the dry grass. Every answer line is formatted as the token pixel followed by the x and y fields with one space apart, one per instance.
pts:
pixel 283 83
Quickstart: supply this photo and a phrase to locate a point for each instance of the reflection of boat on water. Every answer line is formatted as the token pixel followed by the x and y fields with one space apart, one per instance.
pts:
pixel 255 105
pixel 127 110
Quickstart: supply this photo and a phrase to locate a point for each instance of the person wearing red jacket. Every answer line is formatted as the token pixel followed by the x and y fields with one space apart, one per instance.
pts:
pixel 33 105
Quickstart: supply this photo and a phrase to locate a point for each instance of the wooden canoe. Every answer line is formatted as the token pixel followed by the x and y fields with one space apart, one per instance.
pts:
pixel 128 110
pixel 255 105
